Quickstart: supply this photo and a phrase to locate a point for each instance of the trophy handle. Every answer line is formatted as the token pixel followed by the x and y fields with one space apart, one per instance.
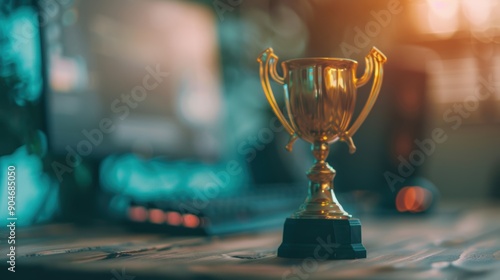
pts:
pixel 267 66
pixel 374 61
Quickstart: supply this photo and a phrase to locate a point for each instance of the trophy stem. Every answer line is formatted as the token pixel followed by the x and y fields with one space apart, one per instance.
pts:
pixel 321 218
pixel 321 202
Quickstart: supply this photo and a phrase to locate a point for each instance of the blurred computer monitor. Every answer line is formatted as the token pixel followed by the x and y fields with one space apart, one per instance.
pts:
pixel 132 76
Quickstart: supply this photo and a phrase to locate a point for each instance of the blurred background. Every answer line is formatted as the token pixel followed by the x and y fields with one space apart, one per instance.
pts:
pixel 152 113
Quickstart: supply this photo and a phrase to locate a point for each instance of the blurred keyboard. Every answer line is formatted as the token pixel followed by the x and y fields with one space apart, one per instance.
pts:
pixel 253 209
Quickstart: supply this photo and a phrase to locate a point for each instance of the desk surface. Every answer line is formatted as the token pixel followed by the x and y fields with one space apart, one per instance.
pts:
pixel 458 244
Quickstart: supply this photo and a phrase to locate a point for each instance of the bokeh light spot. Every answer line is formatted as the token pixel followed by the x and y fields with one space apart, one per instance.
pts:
pixel 413 199
pixel 191 221
pixel 173 218
pixel 156 216
pixel 138 213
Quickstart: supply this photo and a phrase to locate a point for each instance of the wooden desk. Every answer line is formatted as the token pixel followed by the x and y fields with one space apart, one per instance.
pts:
pixel 458 244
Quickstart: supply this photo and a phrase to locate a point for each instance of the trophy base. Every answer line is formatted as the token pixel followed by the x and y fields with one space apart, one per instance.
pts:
pixel 322 239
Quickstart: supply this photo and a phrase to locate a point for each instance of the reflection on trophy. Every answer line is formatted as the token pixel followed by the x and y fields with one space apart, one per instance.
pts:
pixel 320 96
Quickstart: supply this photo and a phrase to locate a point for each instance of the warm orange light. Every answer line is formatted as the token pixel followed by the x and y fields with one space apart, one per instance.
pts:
pixel 413 199
pixel 191 221
pixel 444 8
pixel 477 12
pixel 156 216
pixel 438 17
pixel 173 218
pixel 400 205
pixel 137 213
pixel 443 16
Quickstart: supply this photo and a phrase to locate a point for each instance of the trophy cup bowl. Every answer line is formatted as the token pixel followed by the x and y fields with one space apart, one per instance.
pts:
pixel 320 96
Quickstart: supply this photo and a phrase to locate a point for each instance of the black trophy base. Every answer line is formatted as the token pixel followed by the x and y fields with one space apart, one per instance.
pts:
pixel 322 239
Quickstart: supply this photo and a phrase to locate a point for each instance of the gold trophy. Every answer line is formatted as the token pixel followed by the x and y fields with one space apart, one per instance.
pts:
pixel 320 96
